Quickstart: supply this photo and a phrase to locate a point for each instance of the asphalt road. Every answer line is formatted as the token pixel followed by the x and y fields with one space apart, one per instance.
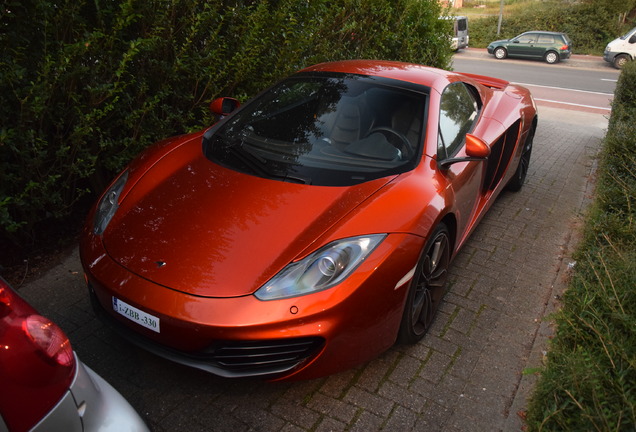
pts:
pixel 589 73
pixel 467 374
pixel 584 83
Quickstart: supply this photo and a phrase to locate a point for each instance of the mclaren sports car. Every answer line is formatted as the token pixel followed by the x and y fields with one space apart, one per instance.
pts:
pixel 311 228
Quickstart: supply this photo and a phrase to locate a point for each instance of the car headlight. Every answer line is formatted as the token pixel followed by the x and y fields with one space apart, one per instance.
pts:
pixel 608 49
pixel 109 204
pixel 321 270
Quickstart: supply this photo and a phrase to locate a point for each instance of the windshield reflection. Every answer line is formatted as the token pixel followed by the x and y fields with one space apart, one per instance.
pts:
pixel 324 129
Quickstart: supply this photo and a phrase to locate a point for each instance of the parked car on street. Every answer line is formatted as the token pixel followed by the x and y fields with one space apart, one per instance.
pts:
pixel 44 385
pixel 549 46
pixel 621 50
pixel 311 228
pixel 459 36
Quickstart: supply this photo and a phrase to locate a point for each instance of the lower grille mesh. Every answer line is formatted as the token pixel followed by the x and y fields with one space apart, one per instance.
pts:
pixel 269 354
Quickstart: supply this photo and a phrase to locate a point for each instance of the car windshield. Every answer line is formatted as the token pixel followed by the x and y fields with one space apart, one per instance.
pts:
pixel 626 35
pixel 324 129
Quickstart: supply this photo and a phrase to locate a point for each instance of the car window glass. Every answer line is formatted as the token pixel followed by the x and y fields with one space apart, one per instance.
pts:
pixel 458 113
pixel 546 39
pixel 527 38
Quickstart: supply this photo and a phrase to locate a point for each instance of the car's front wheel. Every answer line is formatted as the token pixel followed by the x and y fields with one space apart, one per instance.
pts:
pixel 620 61
pixel 551 57
pixel 427 286
pixel 500 53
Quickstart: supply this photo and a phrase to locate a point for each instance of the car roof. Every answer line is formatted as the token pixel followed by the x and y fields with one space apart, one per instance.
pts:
pixel 409 72
pixel 544 32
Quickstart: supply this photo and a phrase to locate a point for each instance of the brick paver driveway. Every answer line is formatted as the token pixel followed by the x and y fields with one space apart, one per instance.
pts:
pixel 466 374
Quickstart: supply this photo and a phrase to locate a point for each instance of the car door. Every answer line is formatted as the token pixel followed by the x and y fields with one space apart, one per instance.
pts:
pixel 544 43
pixel 523 45
pixel 459 111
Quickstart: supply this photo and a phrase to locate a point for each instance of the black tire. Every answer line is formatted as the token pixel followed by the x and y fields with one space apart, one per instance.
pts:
pixel 427 287
pixel 551 57
pixel 620 61
pixel 516 182
pixel 500 53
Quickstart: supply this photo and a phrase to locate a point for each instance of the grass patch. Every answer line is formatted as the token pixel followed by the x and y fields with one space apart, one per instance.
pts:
pixel 484 8
pixel 589 382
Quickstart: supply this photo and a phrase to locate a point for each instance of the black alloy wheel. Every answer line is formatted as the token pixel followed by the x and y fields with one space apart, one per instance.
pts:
pixel 517 181
pixel 427 287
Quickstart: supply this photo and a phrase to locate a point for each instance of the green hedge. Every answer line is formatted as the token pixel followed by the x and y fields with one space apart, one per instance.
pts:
pixel 589 382
pixel 85 85
pixel 590 25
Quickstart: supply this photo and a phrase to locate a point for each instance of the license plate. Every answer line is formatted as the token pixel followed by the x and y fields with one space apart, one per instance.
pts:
pixel 132 313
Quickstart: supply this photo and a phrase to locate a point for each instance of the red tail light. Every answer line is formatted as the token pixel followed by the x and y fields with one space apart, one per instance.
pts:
pixel 37 364
pixel 49 338
pixel 565 48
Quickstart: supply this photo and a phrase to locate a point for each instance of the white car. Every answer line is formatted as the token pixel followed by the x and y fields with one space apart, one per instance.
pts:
pixel 621 50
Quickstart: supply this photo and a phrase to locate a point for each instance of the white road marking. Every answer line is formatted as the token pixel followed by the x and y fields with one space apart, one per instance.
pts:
pixel 573 104
pixel 563 88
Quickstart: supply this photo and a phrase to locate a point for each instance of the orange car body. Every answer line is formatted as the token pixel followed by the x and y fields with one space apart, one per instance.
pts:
pixel 192 241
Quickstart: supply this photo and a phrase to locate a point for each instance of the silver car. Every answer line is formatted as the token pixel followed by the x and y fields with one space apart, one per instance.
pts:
pixel 45 387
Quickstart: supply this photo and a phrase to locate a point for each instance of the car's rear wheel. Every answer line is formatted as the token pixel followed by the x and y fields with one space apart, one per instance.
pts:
pixel 500 53
pixel 427 286
pixel 551 57
pixel 620 61
pixel 517 181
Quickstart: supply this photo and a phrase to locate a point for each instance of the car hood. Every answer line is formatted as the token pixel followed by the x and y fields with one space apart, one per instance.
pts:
pixel 206 230
pixel 499 42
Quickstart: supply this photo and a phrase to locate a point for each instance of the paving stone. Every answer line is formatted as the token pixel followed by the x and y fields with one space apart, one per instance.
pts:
pixel 370 402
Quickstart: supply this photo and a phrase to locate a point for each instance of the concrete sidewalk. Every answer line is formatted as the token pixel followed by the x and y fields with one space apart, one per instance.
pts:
pixel 467 374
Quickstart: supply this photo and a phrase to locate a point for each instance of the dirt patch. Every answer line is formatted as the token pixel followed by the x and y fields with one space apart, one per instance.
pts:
pixel 19 270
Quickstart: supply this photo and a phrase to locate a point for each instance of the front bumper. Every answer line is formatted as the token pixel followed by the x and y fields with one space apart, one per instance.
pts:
pixel 91 404
pixel 301 337
pixel 229 359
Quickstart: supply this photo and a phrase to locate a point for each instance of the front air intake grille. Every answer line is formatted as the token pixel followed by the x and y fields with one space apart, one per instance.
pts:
pixel 281 354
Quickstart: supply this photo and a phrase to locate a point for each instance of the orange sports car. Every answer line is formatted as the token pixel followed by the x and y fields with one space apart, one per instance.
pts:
pixel 311 228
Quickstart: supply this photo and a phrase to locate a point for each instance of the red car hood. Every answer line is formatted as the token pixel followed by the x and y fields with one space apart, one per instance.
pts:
pixel 209 231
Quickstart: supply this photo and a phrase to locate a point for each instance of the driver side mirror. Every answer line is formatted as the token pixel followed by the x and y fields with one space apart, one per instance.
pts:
pixel 224 106
pixel 476 150
pixel 476 147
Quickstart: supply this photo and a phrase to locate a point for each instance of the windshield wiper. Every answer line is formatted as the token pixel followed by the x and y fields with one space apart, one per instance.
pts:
pixel 257 163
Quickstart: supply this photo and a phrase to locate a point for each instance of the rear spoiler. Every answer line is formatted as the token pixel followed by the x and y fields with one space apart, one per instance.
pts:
pixel 487 81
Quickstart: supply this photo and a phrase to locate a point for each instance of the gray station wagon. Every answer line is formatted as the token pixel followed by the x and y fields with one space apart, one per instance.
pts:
pixel 549 46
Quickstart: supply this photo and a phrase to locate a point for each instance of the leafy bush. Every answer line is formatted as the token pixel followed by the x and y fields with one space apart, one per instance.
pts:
pixel 590 25
pixel 85 85
pixel 589 382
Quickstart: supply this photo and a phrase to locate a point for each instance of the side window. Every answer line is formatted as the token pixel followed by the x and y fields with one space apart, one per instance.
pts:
pixel 459 108
pixel 546 39
pixel 527 38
